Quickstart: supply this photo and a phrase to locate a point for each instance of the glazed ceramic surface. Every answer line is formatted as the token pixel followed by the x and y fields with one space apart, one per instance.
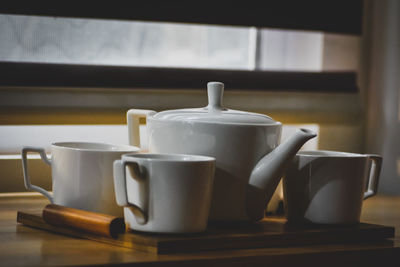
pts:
pixel 237 149
pixel 246 170
pixel 165 193
pixel 82 175
pixel 328 187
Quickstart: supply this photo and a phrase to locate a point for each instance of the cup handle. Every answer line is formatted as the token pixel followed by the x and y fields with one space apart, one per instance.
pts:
pixel 375 164
pixel 121 193
pixel 133 117
pixel 27 180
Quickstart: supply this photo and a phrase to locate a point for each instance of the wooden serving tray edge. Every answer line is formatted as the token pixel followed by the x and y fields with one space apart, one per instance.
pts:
pixel 164 244
pixel 36 221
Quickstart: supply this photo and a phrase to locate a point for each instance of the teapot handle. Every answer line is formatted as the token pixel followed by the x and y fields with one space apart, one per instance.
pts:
pixel 374 169
pixel 133 117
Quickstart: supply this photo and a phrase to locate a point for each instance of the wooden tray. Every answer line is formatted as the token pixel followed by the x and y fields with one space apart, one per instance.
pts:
pixel 270 232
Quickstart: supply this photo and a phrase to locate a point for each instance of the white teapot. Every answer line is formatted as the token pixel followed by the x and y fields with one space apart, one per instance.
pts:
pixel 249 162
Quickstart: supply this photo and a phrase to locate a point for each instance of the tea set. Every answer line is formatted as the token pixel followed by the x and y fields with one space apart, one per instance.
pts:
pixel 207 164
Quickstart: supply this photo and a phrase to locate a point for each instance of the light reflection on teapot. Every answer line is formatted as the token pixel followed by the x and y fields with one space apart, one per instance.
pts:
pixel 249 162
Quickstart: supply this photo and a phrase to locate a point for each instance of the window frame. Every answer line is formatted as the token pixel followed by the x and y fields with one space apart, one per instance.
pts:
pixel 340 16
pixel 335 16
pixel 66 75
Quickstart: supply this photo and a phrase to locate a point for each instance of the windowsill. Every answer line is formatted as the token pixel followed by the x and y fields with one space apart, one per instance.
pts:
pixel 20 195
pixel 87 76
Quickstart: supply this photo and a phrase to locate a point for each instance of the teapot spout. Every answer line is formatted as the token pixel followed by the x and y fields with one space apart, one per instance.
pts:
pixel 268 171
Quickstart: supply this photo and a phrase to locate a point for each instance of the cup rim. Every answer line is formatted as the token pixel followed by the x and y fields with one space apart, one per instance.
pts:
pixel 329 154
pixel 95 147
pixel 159 157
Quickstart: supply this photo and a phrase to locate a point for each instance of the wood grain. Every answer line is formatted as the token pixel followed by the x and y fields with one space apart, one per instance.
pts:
pixel 83 221
pixel 27 246
pixel 267 233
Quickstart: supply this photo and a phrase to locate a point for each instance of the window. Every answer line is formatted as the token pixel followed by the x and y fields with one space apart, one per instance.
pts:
pixel 48 51
pixel 68 73
pixel 122 43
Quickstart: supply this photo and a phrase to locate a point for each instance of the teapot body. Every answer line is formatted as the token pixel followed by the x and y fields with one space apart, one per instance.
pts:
pixel 249 162
pixel 237 149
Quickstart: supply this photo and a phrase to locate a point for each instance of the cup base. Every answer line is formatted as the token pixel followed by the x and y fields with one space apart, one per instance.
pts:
pixel 163 232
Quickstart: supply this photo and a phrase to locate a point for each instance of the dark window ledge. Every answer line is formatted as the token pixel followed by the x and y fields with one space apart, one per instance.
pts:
pixel 63 75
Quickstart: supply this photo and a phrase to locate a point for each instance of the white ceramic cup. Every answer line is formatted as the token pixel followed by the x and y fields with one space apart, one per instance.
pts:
pixel 165 193
pixel 82 175
pixel 328 187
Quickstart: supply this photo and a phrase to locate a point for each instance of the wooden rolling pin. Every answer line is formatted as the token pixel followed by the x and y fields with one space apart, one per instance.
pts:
pixel 86 221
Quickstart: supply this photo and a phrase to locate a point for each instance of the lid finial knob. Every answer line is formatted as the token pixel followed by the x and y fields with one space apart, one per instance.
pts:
pixel 215 91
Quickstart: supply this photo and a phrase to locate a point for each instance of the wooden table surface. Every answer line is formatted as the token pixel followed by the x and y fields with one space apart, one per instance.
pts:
pixel 21 245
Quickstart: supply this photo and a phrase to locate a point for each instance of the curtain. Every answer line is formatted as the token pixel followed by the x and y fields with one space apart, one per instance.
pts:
pixel 383 118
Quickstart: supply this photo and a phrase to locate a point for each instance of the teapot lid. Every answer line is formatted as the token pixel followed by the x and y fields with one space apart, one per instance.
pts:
pixel 214 112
